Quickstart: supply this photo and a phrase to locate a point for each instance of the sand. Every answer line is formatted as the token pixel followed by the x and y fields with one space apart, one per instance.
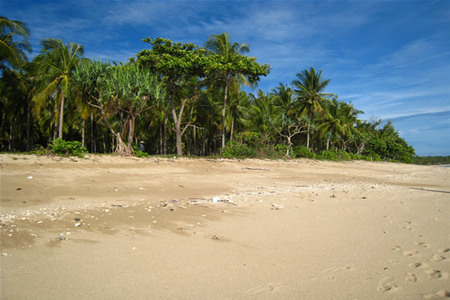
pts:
pixel 104 227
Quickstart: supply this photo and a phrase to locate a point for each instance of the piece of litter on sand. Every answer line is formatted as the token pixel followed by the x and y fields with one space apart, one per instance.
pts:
pixel 276 206
pixel 217 199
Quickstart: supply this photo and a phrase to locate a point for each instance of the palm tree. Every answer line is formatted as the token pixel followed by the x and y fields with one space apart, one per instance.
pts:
pixel 339 122
pixel 262 114
pixel 331 125
pixel 236 110
pixel 220 44
pixel 283 98
pixel 12 50
pixel 56 64
pixel 349 117
pixel 308 90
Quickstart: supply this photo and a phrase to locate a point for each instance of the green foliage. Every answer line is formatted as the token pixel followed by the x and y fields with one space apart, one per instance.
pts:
pixel 13 43
pixel 179 96
pixel 138 152
pixel 303 151
pixel 335 155
pixel 66 148
pixel 281 150
pixel 385 143
pixel 41 150
pixel 235 149
pixel 432 160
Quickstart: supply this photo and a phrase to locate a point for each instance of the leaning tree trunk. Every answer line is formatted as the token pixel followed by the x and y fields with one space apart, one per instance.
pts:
pixel 122 149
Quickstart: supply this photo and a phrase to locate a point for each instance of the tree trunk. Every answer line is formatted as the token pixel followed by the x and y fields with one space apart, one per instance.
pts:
pixel 307 135
pixel 232 129
pixel 195 140
pixel 177 128
pixel 28 124
pixel 122 148
pixel 61 118
pixel 131 125
pixel 178 139
pixel 204 145
pixel 177 123
pixel 166 120
pixel 160 139
pixel 83 123
pixel 92 134
pixel 289 145
pixel 223 113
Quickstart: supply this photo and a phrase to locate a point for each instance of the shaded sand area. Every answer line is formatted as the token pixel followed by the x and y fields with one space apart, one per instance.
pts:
pixel 114 228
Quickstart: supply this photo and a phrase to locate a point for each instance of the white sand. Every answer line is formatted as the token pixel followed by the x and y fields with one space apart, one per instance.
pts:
pixel 114 228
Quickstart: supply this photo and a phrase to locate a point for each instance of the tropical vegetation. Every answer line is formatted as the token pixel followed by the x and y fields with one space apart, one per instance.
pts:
pixel 175 98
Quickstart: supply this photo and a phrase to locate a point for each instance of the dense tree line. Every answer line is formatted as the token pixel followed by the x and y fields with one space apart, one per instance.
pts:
pixel 176 98
pixel 432 160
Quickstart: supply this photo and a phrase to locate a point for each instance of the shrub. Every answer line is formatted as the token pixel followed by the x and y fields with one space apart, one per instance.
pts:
pixel 329 155
pixel 41 150
pixel 281 149
pixel 303 151
pixel 336 155
pixel 66 148
pixel 138 152
pixel 235 149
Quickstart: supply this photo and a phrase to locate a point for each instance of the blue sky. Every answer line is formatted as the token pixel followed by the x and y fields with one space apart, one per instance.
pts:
pixel 391 59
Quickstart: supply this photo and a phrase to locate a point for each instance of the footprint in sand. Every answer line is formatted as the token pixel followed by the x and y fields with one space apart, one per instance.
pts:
pixel 411 277
pixel 407 225
pixel 437 257
pixel 439 294
pixel 436 274
pixel 410 252
pixel 386 284
pixel 415 265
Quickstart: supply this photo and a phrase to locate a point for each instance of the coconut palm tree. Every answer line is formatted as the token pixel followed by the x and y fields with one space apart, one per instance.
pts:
pixel 308 88
pixel 220 44
pixel 236 111
pixel 283 98
pixel 339 122
pixel 13 43
pixel 56 64
pixel 262 114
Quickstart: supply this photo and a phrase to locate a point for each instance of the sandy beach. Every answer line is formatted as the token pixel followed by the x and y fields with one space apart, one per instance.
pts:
pixel 104 227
